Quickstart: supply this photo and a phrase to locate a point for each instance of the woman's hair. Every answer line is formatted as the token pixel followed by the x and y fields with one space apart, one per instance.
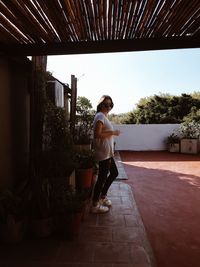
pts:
pixel 101 102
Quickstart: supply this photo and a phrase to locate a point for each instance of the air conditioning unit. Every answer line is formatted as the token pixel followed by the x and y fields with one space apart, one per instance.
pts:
pixel 55 92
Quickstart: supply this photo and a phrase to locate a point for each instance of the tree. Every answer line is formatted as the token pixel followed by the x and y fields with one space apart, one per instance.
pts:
pixel 196 95
pixel 83 105
pixel 122 118
pixel 83 121
pixel 193 116
pixel 164 109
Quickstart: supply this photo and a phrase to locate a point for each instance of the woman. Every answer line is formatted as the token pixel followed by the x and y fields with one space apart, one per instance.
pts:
pixel 104 152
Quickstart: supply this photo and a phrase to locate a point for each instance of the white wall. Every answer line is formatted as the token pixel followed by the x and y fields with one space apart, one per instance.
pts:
pixel 143 137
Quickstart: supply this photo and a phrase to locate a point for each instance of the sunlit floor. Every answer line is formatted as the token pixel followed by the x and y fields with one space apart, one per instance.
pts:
pixel 166 188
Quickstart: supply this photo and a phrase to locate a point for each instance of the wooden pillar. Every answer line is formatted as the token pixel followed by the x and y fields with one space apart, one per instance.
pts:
pixel 36 122
pixel 73 101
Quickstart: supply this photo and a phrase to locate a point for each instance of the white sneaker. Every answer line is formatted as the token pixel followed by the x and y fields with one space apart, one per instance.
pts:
pixel 99 209
pixel 106 202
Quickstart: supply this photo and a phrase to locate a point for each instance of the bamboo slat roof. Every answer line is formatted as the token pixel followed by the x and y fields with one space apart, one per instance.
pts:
pixel 42 27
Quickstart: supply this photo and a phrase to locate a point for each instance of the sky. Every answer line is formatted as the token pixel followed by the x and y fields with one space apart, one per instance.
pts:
pixel 129 76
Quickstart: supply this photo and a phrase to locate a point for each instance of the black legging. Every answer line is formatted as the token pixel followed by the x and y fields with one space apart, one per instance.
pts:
pixel 104 180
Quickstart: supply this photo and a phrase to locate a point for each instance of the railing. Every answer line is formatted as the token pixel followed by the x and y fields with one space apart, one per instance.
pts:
pixel 143 137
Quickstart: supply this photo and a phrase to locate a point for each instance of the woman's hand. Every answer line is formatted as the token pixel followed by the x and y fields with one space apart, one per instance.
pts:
pixel 116 132
pixel 100 133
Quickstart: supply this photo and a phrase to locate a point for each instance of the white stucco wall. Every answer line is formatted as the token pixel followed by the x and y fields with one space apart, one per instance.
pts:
pixel 143 137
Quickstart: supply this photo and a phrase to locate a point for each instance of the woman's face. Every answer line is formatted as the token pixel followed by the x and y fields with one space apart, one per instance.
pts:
pixel 107 105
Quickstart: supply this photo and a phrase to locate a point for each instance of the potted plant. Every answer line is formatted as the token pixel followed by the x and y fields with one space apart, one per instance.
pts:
pixel 74 205
pixel 82 137
pixel 190 133
pixel 58 163
pixel 85 163
pixel 12 216
pixel 67 206
pixel 58 148
pixel 83 129
pixel 173 142
pixel 40 216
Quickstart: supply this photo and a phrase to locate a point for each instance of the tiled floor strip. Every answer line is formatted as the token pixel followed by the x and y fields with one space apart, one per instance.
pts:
pixel 122 174
pixel 118 238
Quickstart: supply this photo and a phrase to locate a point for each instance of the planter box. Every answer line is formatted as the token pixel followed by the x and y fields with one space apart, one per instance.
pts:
pixel 174 148
pixel 83 147
pixel 190 146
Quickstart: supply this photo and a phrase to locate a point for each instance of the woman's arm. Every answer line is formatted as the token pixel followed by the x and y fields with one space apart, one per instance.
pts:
pixel 100 133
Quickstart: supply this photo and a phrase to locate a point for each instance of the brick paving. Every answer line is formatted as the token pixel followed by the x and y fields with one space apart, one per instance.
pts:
pixel 114 239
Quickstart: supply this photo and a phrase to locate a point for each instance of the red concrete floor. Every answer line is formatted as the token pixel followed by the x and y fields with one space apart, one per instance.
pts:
pixel 166 187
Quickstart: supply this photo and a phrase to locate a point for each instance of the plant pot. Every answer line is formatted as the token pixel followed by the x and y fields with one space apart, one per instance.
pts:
pixel 83 147
pixel 84 178
pixel 174 148
pixel 12 232
pixel 190 146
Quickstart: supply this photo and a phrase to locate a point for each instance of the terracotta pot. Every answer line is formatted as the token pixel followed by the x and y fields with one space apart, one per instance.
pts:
pixel 84 178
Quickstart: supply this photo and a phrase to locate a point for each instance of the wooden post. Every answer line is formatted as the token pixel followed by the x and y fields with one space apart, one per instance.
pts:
pixel 73 101
pixel 39 64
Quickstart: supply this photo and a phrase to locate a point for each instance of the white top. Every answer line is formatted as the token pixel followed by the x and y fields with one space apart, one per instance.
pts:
pixel 103 147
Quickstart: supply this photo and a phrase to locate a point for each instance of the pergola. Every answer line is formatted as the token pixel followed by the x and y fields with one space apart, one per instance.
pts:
pixel 50 27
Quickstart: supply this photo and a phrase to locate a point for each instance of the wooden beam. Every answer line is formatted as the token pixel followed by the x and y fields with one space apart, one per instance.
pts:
pixel 105 46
